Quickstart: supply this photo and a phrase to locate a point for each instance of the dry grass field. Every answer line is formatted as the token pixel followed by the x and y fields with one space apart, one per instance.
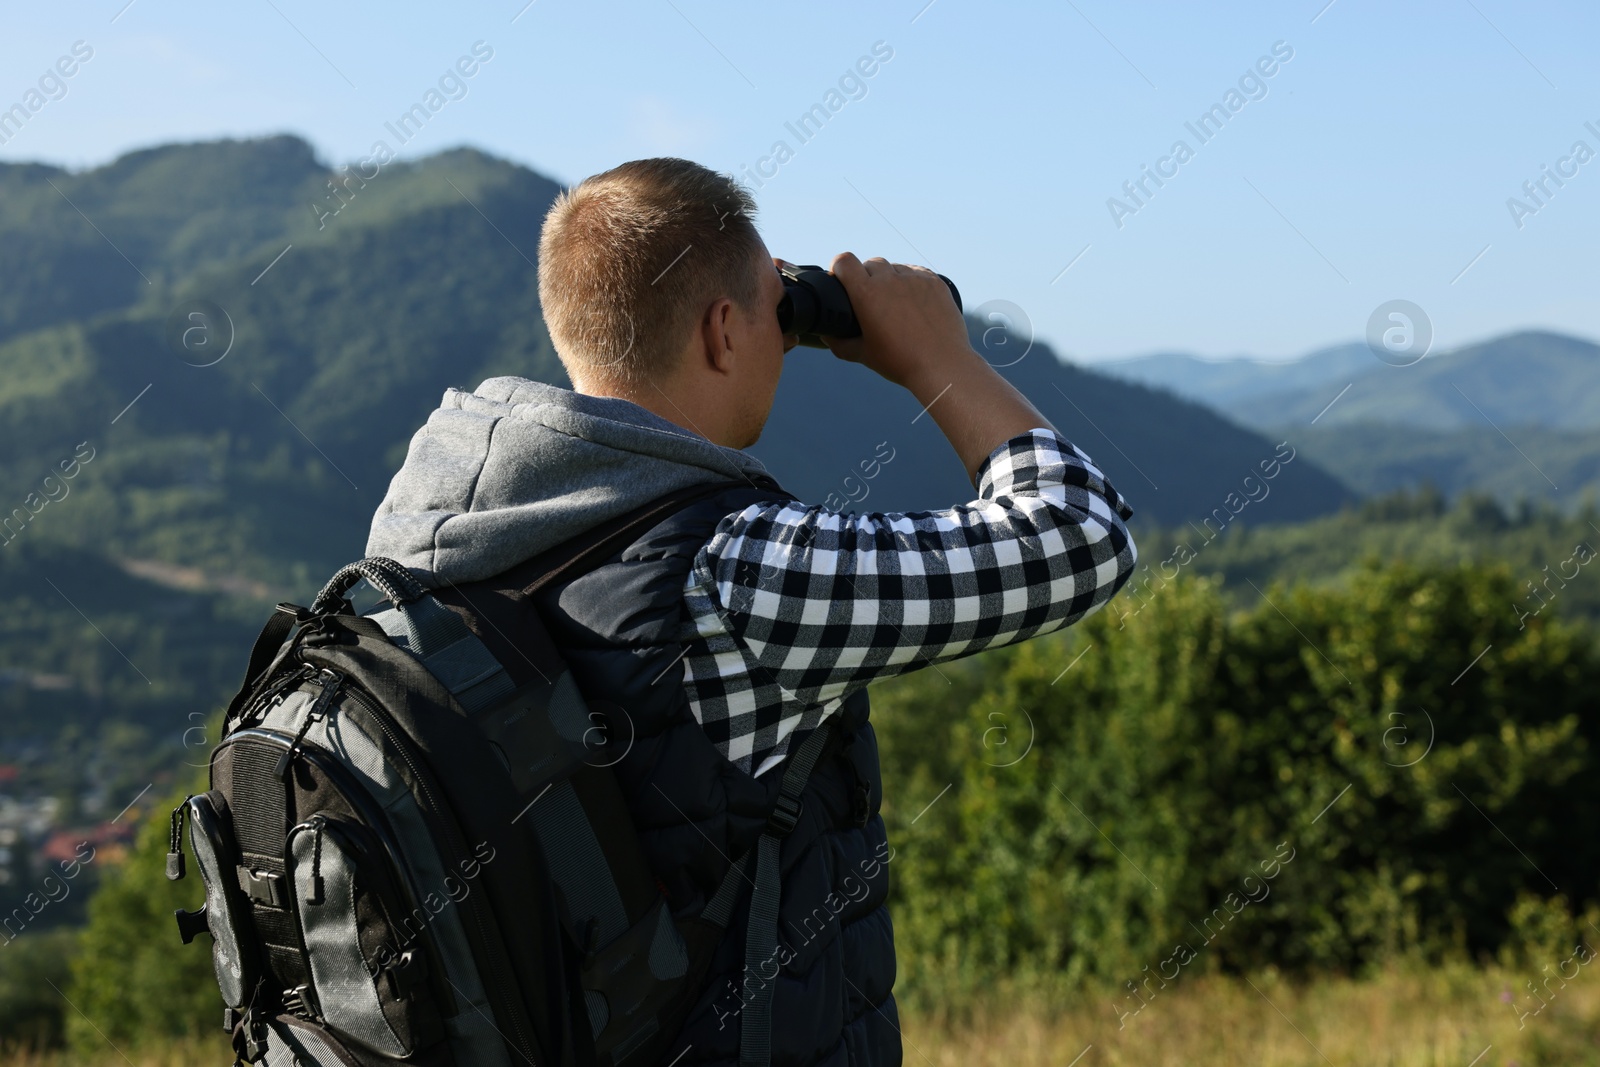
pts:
pixel 1455 1017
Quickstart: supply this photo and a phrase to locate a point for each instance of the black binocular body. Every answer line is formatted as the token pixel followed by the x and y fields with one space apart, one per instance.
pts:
pixel 815 305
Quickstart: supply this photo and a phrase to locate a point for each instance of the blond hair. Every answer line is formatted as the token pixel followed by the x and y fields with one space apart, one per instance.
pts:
pixel 629 260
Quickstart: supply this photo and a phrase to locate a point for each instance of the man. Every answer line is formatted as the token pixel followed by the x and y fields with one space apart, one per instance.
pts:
pixel 718 641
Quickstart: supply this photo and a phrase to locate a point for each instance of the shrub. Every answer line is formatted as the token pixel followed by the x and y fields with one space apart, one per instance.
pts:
pixel 31 1011
pixel 135 982
pixel 1177 752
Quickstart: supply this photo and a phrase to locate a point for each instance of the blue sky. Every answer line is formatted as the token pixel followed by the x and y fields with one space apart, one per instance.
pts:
pixel 1377 165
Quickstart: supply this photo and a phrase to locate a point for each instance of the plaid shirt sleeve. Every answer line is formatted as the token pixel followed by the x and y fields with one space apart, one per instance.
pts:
pixel 796 606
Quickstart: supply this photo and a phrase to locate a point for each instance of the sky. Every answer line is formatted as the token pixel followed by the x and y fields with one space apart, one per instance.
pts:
pixel 1376 162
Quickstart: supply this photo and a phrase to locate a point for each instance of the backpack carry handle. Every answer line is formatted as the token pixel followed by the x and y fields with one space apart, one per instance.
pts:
pixel 385 575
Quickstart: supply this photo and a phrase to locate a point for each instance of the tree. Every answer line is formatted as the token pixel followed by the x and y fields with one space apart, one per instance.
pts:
pixel 134 981
pixel 1318 782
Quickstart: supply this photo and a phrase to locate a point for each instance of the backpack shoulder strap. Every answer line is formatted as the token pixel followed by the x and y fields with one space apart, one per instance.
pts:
pixel 761 932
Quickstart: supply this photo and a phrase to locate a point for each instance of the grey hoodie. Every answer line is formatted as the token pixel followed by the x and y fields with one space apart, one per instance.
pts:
pixel 498 475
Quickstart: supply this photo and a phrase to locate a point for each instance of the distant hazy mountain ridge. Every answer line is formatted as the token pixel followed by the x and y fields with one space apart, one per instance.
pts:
pixel 1456 419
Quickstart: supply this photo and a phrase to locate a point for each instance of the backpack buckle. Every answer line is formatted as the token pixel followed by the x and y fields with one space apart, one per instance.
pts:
pixel 249 1039
pixel 192 923
pixel 302 1002
pixel 785 816
pixel 406 974
pixel 263 887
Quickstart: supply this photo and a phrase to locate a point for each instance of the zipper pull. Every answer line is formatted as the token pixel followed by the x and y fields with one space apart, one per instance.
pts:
pixel 318 822
pixel 175 867
pixel 257 709
pixel 331 681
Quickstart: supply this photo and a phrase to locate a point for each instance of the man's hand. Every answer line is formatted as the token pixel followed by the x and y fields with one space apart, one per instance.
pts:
pixel 913 334
pixel 908 320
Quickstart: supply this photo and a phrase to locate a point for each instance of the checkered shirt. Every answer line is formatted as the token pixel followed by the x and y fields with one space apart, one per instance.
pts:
pixel 792 607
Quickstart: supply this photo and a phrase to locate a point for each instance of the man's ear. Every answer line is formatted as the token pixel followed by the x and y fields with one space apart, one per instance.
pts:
pixel 716 336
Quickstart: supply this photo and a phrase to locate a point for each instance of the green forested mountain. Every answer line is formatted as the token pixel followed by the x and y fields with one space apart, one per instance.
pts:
pixel 343 337
pixel 1523 379
pixel 1174 460
pixel 337 353
pixel 204 488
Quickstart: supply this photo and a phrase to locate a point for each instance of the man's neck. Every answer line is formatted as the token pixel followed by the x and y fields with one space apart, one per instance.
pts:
pixel 654 399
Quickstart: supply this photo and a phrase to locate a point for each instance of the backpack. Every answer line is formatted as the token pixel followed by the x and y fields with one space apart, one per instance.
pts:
pixel 409 859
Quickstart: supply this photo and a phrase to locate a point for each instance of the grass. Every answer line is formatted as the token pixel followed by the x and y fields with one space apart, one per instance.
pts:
pixel 1450 1017
pixel 1456 1017
pixel 192 1053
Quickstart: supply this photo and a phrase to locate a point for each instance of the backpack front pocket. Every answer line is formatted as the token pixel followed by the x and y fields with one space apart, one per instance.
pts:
pixel 370 980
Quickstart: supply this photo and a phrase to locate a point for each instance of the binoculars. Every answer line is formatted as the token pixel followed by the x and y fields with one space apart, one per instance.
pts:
pixel 815 305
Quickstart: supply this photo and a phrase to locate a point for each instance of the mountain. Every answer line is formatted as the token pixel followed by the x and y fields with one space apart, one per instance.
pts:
pixel 1524 379
pixel 1236 385
pixel 341 341
pixel 203 488
pixel 1517 416
pixel 85 243
pixel 1531 378
pixel 1561 467
pixel 1172 459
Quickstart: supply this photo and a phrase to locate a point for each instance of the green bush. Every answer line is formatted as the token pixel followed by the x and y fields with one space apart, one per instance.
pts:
pixel 135 982
pixel 1189 749
pixel 31 1012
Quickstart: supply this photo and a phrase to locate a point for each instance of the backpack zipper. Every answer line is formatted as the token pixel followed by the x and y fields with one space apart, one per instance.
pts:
pixel 332 681
pixel 257 706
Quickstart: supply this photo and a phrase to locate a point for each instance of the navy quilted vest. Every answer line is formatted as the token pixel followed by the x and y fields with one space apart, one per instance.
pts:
pixel 617 627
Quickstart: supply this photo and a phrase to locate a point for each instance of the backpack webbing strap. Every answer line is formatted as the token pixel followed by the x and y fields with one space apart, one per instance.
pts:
pixel 431 632
pixel 262 654
pixel 761 935
pixel 451 652
pixel 719 910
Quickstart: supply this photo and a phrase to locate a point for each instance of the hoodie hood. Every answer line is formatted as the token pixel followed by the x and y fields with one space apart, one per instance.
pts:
pixel 498 475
